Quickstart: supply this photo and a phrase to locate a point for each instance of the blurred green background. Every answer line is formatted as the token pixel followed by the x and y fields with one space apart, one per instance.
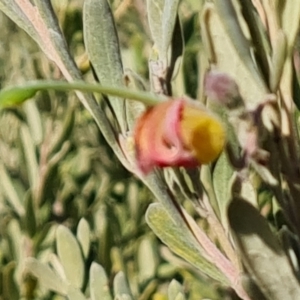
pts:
pixel 65 200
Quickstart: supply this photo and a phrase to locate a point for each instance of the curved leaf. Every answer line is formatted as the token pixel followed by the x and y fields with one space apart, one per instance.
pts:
pixel 230 51
pixel 261 252
pixel 290 14
pixel 83 236
pixel 70 256
pixel 162 16
pixel 180 241
pixel 75 294
pixel 175 290
pixel 147 267
pixel 99 283
pixel 222 174
pixel 46 276
pixel 102 46
pixel 121 288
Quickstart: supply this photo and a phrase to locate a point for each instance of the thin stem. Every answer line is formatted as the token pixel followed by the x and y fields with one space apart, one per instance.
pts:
pixel 34 86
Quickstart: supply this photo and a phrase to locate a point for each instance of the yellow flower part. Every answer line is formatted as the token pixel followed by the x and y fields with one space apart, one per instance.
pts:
pixel 202 134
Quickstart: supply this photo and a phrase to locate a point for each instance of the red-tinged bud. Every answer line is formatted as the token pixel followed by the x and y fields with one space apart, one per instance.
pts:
pixel 177 133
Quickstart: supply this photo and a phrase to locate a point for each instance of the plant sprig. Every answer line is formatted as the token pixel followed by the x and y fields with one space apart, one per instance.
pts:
pixel 16 95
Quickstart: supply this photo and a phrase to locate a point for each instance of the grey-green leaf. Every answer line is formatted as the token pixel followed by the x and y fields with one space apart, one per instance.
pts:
pixel 30 156
pixel 83 236
pixel 70 256
pixel 10 192
pixel 46 276
pixel 231 53
pixel 10 288
pixel 30 215
pixel 261 252
pixel 13 11
pixel 168 22
pixel 102 46
pixel 162 17
pixel 278 60
pixel 99 288
pixel 121 288
pixel 75 294
pixel 147 267
pixel 175 290
pixel 222 174
pixel 290 13
pixel 155 12
pixel 180 241
pixel 229 17
pixel 34 121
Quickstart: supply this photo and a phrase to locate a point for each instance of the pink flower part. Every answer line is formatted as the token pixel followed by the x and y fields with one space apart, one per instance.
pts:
pixel 157 138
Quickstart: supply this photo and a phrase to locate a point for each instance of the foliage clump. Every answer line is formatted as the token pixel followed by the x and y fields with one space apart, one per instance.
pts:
pixel 72 198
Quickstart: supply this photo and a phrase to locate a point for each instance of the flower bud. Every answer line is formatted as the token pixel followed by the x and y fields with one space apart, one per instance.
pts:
pixel 222 88
pixel 177 133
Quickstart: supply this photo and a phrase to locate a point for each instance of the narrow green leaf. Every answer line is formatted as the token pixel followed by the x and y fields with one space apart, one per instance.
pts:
pixel 30 156
pixel 230 51
pixel 10 191
pixel 290 14
pixel 180 240
pixel 121 288
pixel 14 12
pixel 222 174
pixel 102 46
pixel 46 276
pixel 264 173
pixel 261 252
pixel 278 60
pixel 10 288
pixel 168 22
pixel 30 217
pixel 70 256
pixel 99 288
pixel 64 134
pixel 16 238
pixel 103 218
pixel 157 184
pixel 147 267
pixel 168 43
pixel 75 294
pixel 260 41
pixel 133 108
pixel 34 121
pixel 155 12
pixel 230 20
pixel 175 290
pixel 51 39
pixel 57 266
pixel 83 236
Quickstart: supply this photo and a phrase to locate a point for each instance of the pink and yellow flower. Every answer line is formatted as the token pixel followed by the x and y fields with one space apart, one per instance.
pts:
pixel 177 133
